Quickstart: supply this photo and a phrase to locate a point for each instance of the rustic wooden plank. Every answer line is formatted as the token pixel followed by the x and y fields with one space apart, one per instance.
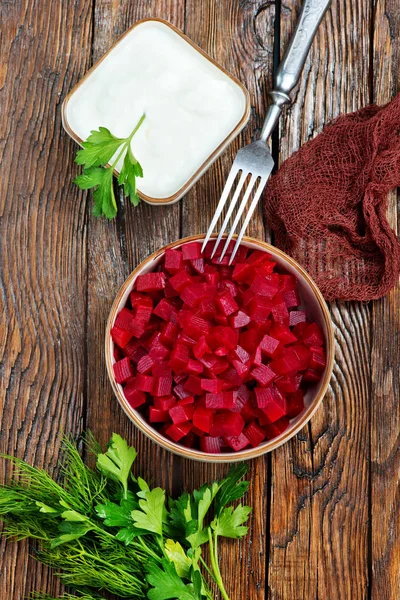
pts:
pixel 114 249
pixel 319 507
pixel 42 250
pixel 240 37
pixel 385 409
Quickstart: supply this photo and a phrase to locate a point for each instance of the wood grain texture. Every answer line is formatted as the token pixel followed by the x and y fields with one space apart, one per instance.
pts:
pixel 385 358
pixel 42 250
pixel 319 506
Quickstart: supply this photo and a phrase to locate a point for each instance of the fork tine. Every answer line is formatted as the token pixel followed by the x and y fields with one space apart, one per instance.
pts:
pixel 239 214
pixel 230 210
pixel 248 217
pixel 231 177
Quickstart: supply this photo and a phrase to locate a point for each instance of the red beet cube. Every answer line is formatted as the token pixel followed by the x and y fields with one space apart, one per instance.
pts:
pixel 311 376
pixel 220 400
pixel 233 423
pixel 156 415
pixel 211 445
pixel 239 320
pixel 179 358
pixel 297 316
pixel 292 298
pixel 295 404
pixel 135 397
pixel 203 419
pixel 165 310
pixel 198 265
pixel 145 383
pixel 265 285
pixel 180 391
pixel 318 359
pixel 223 336
pixel 313 335
pixel 270 346
pixel 212 385
pixel 191 251
pixel 275 429
pixel 177 431
pixel 150 282
pixel 288 383
pixel 241 354
pixel 180 281
pixel 145 364
pixel 194 367
pixel 287 283
pixel 164 403
pixel 283 334
pixel 173 261
pixel 226 303
pixel 193 385
pixel 169 333
pixel 123 370
pixel 240 368
pixel 180 414
pixel 271 402
pixel 162 386
pixel 263 374
pixel 260 309
pixel 120 337
pixel 280 313
pixel 255 434
pixel 237 442
pixel 201 348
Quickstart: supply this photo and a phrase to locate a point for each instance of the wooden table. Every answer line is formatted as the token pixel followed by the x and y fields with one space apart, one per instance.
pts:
pixel 326 522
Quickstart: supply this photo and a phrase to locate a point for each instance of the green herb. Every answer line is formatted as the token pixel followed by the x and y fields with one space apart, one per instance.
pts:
pixel 97 152
pixel 105 529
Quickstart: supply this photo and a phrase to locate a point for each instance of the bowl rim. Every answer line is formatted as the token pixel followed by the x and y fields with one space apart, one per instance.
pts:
pixel 226 457
pixel 233 133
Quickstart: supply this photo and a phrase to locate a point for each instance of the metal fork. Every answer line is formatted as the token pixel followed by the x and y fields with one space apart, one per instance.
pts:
pixel 255 160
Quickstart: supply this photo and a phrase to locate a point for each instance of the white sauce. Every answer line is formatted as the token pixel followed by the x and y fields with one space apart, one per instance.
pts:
pixel 191 106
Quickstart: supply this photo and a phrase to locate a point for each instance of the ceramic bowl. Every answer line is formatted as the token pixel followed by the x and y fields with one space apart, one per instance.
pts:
pixel 315 305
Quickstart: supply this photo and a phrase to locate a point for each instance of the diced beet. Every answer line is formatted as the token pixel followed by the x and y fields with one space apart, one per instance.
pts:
pixel 191 251
pixel 318 358
pixel 117 354
pixel 156 415
pixel 123 370
pixel 226 303
pixel 150 282
pixel 189 440
pixel 180 281
pixel 198 265
pixel 241 319
pixel 297 316
pixel 295 403
pixel 260 309
pixel 164 403
pixel 194 293
pixel 223 336
pixel 169 334
pixel 288 383
pixel 292 298
pixel 201 348
pixel 254 433
pixel 161 370
pixel 180 391
pixel 265 285
pixel 177 432
pixel 143 308
pixel 221 400
pixel 263 374
pixel 311 376
pixel 241 354
pixel 270 346
pixel 135 397
pixel 271 402
pixel 233 423
pixel 287 283
pixel 221 351
pixel 165 310
pixel 120 337
pixel 187 400
pixel 275 429
pixel 249 340
pixel 279 310
pixel 299 330
pixel 203 419
pixel 237 442
pixel 212 385
pixel 145 383
pixel 162 386
pixel 193 385
pixel 194 367
pixel 173 261
pixel 313 335
pixel 185 340
pixel 241 369
pixel 283 334
pixel 124 320
pixel 180 414
pixel 211 445
pixel 145 364
pixel 179 358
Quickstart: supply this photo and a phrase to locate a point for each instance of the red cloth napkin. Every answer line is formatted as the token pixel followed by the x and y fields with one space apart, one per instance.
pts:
pixel 327 204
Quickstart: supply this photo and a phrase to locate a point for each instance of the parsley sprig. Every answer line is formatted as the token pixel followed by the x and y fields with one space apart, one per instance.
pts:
pixel 105 529
pixel 97 151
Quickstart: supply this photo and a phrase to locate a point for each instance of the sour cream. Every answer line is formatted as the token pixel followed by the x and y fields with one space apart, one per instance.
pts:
pixel 191 106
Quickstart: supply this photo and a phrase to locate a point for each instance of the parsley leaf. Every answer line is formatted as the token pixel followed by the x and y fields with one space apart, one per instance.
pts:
pixel 181 524
pixel 97 152
pixel 176 554
pixel 117 462
pixel 152 513
pixel 230 489
pixel 166 583
pixel 230 522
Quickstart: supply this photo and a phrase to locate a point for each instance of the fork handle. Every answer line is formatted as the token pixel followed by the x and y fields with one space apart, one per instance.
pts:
pixel 292 64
